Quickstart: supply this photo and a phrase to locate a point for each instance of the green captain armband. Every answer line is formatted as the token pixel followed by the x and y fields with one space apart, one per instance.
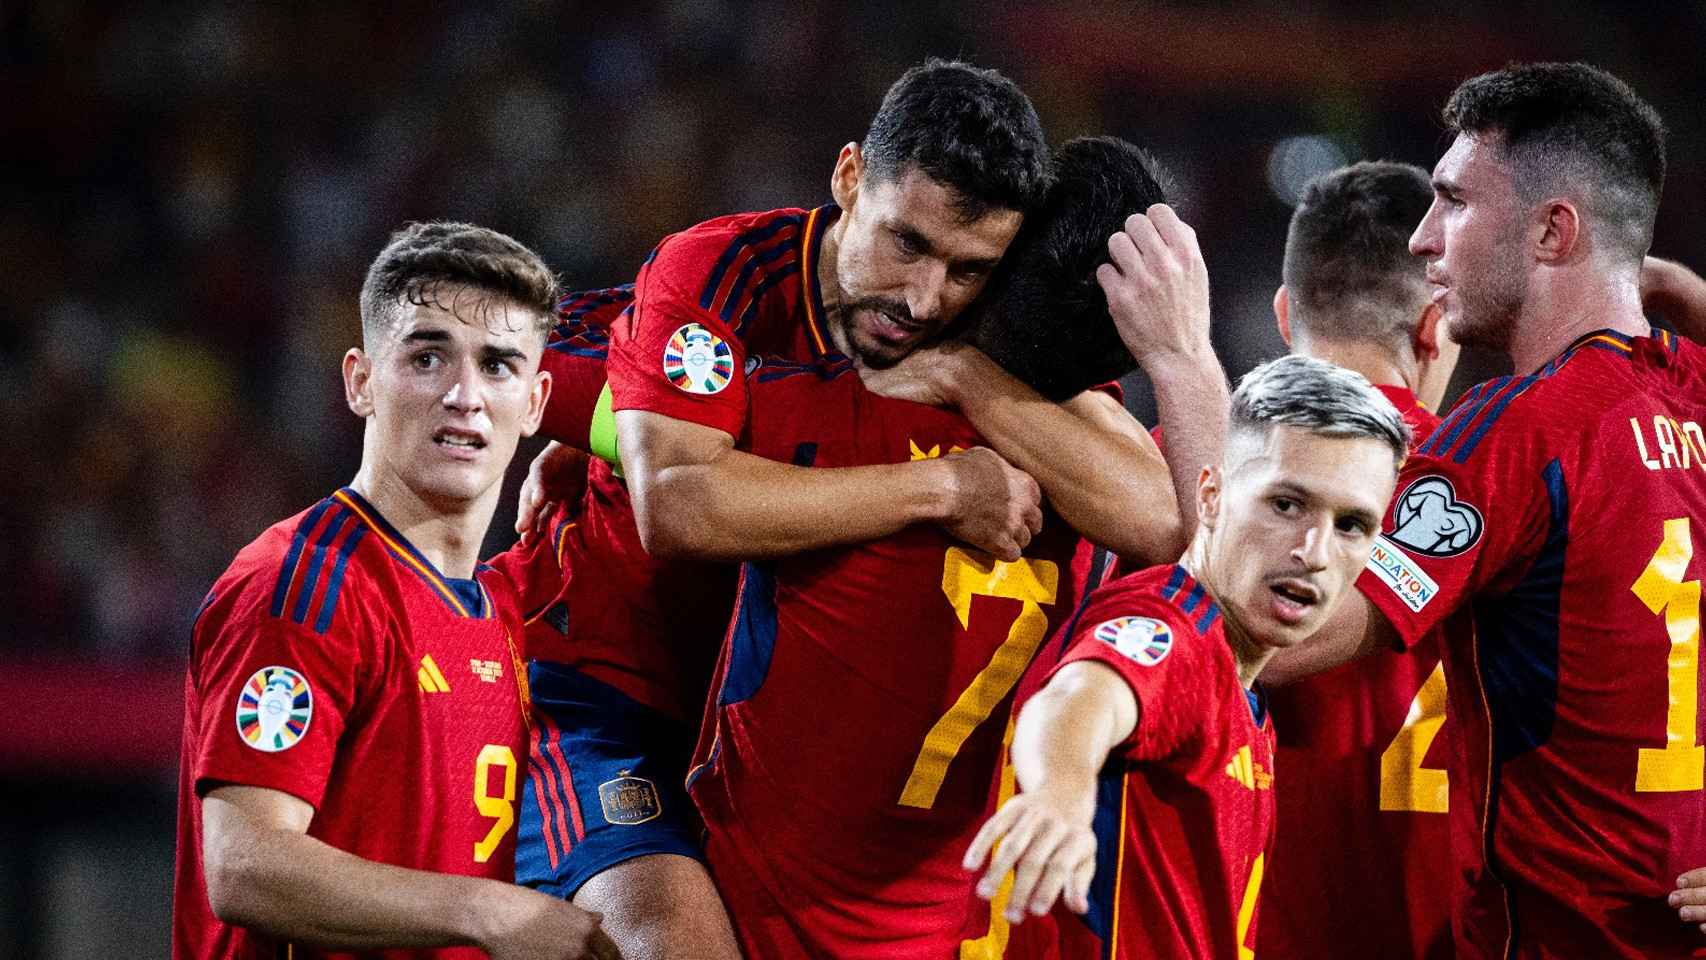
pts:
pixel 601 438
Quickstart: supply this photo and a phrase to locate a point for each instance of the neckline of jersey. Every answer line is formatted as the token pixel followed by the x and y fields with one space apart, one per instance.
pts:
pixel 449 589
pixel 818 222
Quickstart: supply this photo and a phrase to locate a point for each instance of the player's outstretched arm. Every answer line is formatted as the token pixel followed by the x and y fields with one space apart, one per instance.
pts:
pixel 695 495
pixel 1063 738
pixel 264 872
pixel 1355 629
pixel 1157 290
pixel 1094 462
pixel 1677 292
pixel 1689 898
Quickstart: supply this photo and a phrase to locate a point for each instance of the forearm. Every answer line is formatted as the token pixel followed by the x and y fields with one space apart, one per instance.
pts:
pixel 1676 292
pixel 1192 400
pixel 739 506
pixel 1065 733
pixel 1096 464
pixel 295 887
pixel 1355 629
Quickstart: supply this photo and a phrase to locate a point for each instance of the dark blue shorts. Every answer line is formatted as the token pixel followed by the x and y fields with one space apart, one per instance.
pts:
pixel 605 783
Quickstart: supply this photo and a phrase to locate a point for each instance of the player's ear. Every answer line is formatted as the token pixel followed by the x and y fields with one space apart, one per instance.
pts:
pixel 1559 229
pixel 1425 341
pixel 358 382
pixel 1208 497
pixel 1282 313
pixel 536 398
pixel 849 172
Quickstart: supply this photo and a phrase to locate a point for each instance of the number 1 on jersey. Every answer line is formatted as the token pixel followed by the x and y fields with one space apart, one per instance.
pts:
pixel 965 575
pixel 1681 762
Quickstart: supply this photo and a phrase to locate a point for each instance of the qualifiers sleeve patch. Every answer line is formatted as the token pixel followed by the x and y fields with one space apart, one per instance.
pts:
pixel 697 360
pixel 1431 520
pixel 1139 639
pixel 274 708
pixel 1399 572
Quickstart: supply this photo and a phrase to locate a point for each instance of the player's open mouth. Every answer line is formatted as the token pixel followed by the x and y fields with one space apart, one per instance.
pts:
pixel 459 442
pixel 1293 600
pixel 887 326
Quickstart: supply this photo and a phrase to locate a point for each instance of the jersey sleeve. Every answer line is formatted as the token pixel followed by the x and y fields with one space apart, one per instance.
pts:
pixel 576 354
pixel 272 694
pixel 1157 654
pixel 670 354
pixel 1468 508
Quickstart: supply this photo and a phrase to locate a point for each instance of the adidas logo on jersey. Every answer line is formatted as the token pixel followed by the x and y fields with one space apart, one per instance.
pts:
pixel 1248 772
pixel 431 678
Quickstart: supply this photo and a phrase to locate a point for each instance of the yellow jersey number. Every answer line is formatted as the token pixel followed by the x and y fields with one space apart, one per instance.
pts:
pixel 1680 763
pixel 967 574
pixel 501 807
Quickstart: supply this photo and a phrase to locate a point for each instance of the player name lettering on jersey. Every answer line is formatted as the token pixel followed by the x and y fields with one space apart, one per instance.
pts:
pixel 1678 445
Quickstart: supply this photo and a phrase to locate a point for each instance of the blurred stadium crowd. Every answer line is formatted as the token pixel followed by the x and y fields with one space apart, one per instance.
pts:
pixel 193 189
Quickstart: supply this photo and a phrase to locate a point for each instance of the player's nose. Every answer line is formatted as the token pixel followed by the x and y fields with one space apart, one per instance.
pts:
pixel 1313 550
pixel 1424 241
pixel 464 393
pixel 924 293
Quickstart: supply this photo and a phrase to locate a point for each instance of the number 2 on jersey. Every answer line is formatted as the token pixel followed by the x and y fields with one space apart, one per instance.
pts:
pixel 1681 762
pixel 965 575
pixel 1405 784
pixel 501 806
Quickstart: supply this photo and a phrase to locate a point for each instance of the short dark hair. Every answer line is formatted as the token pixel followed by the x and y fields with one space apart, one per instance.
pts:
pixel 1348 271
pixel 1045 318
pixel 1573 127
pixel 965 127
pixel 422 257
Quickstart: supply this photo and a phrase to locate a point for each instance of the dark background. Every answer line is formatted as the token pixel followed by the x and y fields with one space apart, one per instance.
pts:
pixel 193 190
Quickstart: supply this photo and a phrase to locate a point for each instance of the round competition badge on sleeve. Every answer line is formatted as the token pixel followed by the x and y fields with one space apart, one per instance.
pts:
pixel 1139 639
pixel 274 708
pixel 697 360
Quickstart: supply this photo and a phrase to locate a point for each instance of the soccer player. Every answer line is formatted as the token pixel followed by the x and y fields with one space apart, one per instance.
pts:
pixel 1558 507
pixel 863 691
pixel 354 713
pixel 1145 765
pixel 1362 859
pixel 925 206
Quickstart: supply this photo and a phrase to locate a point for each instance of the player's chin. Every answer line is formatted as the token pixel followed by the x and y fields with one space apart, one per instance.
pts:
pixel 456 481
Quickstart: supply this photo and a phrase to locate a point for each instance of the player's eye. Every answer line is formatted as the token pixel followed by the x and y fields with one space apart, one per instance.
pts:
pixel 1352 525
pixel 498 368
pixel 426 360
pixel 907 244
pixel 966 276
pixel 1285 506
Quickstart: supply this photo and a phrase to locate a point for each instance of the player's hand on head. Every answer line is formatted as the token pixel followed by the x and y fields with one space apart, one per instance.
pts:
pixel 1157 285
pixel 922 376
pixel 531 925
pixel 557 475
pixel 995 506
pixel 1047 843
pixel 1689 898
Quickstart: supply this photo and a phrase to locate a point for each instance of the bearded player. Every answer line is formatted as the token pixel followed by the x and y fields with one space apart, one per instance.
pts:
pixel 1558 508
pixel 622 683
pixel 354 713
pixel 1145 765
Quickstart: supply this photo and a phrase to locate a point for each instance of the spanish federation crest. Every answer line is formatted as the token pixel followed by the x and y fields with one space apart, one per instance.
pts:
pixel 274 708
pixel 697 360
pixel 628 799
pixel 1140 639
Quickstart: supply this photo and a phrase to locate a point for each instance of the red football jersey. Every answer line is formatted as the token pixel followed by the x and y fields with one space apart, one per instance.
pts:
pixel 652 628
pixel 1559 509
pixel 847 757
pixel 1362 860
pixel 1185 813
pixel 333 662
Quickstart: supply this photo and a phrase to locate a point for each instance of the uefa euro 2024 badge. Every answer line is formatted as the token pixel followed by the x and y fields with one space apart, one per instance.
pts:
pixel 697 360
pixel 1140 639
pixel 274 708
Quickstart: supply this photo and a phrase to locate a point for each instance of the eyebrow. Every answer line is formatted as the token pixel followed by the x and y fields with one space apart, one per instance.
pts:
pixel 490 351
pixel 1295 491
pixel 1444 185
pixel 428 335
